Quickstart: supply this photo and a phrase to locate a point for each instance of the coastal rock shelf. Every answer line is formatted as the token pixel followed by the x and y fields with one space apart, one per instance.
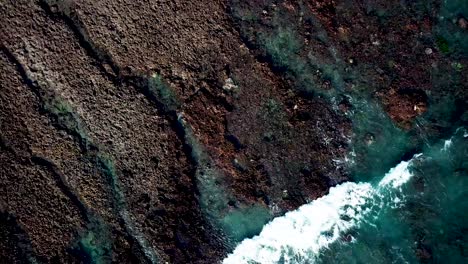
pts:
pixel 176 131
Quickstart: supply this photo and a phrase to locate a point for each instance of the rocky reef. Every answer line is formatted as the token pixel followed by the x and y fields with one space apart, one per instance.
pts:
pixel 168 131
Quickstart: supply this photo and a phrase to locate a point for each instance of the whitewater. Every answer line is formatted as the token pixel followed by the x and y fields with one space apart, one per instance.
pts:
pixel 300 235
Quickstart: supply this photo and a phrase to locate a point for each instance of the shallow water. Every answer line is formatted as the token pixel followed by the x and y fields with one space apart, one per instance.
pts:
pixel 430 225
pixel 417 212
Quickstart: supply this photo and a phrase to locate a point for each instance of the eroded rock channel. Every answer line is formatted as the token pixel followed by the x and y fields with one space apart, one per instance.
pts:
pixel 169 131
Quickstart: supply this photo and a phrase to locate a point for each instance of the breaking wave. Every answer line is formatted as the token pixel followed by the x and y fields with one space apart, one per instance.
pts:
pixel 300 235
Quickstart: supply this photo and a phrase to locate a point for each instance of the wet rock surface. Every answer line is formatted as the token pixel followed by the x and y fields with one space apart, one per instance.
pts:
pixel 154 131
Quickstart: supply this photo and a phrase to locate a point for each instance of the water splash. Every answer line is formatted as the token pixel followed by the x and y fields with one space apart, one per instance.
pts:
pixel 298 236
pixel 447 144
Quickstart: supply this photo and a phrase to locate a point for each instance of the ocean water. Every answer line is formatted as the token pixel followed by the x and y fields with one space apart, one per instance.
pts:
pixel 416 213
pixel 398 209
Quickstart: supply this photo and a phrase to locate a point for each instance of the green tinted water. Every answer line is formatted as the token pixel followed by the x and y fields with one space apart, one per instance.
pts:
pixel 430 225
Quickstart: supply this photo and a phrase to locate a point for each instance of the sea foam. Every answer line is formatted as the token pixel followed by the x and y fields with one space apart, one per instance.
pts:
pixel 299 235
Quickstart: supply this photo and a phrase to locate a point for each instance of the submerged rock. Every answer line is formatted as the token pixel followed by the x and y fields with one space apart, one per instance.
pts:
pixel 169 131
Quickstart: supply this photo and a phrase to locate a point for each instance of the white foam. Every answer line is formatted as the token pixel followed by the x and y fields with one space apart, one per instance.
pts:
pixel 298 236
pixel 447 144
pixel 397 176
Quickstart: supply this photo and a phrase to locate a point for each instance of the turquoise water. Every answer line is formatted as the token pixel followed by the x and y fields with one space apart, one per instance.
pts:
pixel 430 226
pixel 415 213
pixel 301 236
pixel 423 218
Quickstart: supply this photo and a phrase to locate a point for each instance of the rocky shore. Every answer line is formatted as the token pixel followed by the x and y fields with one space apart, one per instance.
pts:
pixel 168 131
